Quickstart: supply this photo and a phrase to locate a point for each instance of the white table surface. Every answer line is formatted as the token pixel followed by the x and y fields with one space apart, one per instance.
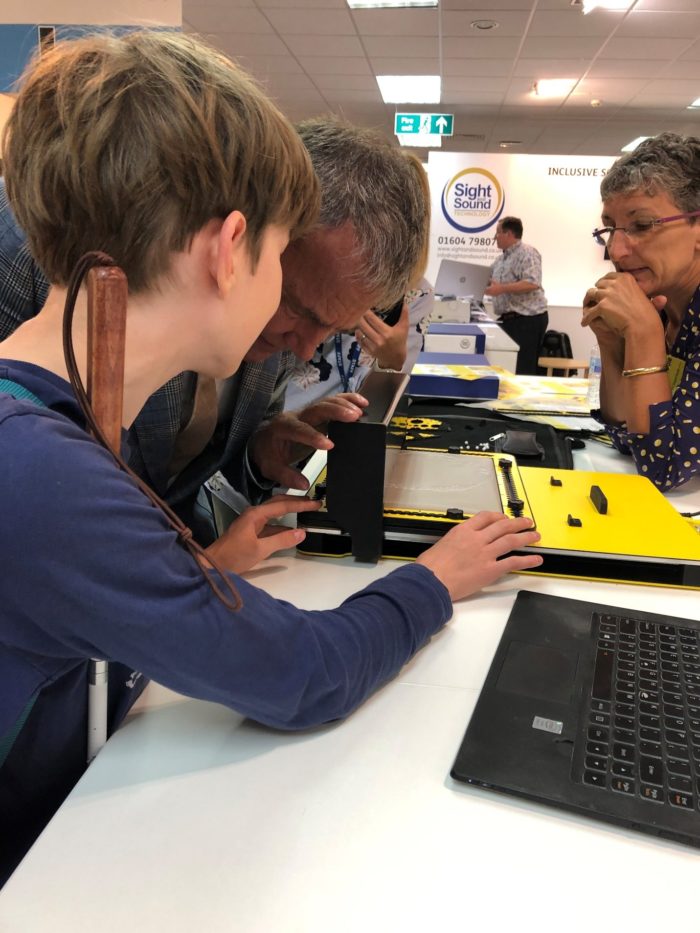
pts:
pixel 194 819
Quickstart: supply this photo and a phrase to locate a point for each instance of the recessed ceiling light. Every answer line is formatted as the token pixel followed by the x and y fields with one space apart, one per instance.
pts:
pixel 553 87
pixel 379 4
pixel 422 140
pixel 635 142
pixel 409 89
pixel 482 25
pixel 695 105
pixel 510 143
pixel 596 102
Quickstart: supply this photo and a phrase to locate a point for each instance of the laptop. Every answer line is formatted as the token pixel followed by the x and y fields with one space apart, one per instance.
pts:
pixel 460 279
pixel 596 710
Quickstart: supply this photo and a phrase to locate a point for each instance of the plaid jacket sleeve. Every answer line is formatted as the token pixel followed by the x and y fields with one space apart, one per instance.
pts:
pixel 23 286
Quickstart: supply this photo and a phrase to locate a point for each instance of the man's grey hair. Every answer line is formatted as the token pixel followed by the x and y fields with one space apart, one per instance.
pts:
pixel 383 192
pixel 666 163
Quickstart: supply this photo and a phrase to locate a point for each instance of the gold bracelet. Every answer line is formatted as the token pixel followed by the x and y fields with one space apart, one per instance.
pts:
pixel 645 370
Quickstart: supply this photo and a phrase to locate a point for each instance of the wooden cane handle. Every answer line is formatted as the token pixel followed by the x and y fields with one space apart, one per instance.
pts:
pixel 107 300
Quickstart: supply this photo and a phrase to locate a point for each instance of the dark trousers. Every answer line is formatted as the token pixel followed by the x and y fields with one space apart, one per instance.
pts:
pixel 528 333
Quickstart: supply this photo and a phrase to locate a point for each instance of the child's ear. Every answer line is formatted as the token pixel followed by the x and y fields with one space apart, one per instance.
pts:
pixel 231 250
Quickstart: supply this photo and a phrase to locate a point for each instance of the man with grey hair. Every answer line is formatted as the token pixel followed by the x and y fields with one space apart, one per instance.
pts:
pixel 371 236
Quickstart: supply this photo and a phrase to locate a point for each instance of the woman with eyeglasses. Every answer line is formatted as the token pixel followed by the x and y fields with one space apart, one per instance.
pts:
pixel 646 314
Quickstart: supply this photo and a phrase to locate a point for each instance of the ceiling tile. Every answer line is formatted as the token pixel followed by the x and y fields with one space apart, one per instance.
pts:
pixel 645 48
pixel 571 22
pixel 263 65
pixel 334 66
pixel 238 19
pixel 478 5
pixel 236 45
pixel 311 103
pixel 341 95
pixel 637 68
pixel 299 85
pixel 678 91
pixel 191 8
pixel 325 45
pixel 572 133
pixel 350 82
pixel 318 56
pixel 463 144
pixel 302 21
pixel 293 4
pixel 479 47
pixel 458 23
pixel 405 22
pixel 477 85
pixel 681 69
pixel 404 66
pixel 554 68
pixel 564 47
pixel 692 53
pixel 368 115
pixel 399 46
pixel 612 90
pixel 469 95
pixel 680 6
pixel 486 67
pixel 661 25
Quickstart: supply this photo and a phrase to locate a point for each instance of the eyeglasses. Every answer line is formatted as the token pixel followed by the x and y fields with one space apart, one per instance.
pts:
pixel 638 229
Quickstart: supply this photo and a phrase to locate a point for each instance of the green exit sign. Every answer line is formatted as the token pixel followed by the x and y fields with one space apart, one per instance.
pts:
pixel 438 124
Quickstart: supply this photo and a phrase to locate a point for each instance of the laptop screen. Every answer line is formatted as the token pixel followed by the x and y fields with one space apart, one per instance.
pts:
pixel 461 279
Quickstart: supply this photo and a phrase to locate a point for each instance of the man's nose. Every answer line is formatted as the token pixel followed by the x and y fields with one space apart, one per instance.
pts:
pixel 304 339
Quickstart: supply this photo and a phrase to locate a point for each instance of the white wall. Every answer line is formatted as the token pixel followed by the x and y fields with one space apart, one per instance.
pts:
pixel 556 197
pixel 121 12
pixel 558 200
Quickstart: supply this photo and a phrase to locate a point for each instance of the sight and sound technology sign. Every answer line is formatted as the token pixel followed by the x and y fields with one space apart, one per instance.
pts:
pixel 556 197
pixel 473 200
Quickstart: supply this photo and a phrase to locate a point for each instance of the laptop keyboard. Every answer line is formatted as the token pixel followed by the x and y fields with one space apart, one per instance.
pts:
pixel 643 729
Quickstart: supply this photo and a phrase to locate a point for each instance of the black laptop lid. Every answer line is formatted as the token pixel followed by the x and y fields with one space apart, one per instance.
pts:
pixel 537 731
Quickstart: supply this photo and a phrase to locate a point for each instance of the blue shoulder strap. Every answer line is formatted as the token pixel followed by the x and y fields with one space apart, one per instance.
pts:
pixel 7 741
pixel 19 392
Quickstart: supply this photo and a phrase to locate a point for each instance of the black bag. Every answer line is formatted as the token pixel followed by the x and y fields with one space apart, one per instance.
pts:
pixel 556 343
pixel 442 426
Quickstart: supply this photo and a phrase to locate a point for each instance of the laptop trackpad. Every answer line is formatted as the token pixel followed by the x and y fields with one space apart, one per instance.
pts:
pixel 539 672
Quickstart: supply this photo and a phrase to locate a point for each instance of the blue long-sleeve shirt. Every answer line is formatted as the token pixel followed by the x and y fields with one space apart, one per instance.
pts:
pixel 91 569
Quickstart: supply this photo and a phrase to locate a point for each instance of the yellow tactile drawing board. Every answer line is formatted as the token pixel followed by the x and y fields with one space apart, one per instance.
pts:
pixel 639 538
pixel 639 521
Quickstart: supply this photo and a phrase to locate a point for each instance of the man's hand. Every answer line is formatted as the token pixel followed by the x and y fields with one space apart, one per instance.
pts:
pixel 288 437
pixel 494 288
pixel 250 538
pixel 386 344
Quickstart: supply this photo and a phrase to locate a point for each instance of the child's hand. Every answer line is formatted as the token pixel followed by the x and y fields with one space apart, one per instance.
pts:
pixel 250 538
pixel 467 558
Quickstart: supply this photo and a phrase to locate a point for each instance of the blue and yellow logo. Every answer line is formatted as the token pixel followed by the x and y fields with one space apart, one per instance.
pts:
pixel 473 200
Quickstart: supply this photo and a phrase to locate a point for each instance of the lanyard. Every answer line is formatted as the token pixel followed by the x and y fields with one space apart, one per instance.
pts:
pixel 354 357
